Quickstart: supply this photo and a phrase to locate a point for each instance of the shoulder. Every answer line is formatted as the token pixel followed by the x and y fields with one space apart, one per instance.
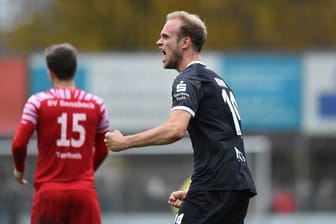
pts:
pixel 37 98
pixel 92 98
pixel 197 73
pixel 199 70
pixel 81 94
pixel 95 98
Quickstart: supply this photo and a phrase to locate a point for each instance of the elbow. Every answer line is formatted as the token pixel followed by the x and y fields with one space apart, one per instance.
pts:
pixel 177 134
pixel 180 134
pixel 18 147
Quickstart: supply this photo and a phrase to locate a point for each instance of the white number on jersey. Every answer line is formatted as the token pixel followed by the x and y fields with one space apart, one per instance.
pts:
pixel 231 102
pixel 64 141
pixel 178 218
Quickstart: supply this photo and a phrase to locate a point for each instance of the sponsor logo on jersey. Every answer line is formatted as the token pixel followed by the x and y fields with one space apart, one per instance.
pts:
pixel 181 87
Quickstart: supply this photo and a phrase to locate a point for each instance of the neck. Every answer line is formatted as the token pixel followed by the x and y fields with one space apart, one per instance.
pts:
pixel 187 59
pixel 68 84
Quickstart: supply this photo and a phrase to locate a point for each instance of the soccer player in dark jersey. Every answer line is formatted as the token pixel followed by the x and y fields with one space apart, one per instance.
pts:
pixel 70 124
pixel 204 105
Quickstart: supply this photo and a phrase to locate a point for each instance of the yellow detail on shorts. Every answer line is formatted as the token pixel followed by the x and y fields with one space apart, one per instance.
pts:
pixel 183 187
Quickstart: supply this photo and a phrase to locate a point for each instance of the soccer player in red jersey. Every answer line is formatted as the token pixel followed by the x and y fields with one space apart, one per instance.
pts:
pixel 70 124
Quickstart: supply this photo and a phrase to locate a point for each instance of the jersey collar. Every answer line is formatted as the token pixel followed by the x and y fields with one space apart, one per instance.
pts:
pixel 195 62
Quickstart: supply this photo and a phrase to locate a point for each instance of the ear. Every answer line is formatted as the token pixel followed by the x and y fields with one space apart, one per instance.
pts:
pixel 186 42
pixel 51 75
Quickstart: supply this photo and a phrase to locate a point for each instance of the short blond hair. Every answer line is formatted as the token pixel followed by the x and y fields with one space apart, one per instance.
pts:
pixel 192 27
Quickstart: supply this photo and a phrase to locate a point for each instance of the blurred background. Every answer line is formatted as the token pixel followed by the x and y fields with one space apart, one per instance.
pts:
pixel 278 56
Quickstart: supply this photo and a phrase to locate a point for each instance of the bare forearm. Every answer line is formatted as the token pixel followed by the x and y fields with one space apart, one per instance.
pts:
pixel 174 129
pixel 161 135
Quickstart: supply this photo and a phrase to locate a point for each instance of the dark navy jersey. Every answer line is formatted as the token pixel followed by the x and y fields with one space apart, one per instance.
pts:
pixel 214 129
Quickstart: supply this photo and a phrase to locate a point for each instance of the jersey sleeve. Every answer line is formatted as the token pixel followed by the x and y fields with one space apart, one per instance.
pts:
pixel 101 151
pixel 103 125
pixel 19 145
pixel 25 130
pixel 185 94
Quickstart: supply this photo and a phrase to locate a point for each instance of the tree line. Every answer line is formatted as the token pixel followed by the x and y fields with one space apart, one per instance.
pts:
pixel 134 25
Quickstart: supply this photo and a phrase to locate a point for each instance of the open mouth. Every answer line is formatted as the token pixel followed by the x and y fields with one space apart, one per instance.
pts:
pixel 163 52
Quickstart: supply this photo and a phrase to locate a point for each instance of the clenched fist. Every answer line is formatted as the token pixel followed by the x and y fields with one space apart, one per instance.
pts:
pixel 115 141
pixel 176 198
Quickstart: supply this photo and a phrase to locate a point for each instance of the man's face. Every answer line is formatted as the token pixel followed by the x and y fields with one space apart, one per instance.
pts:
pixel 170 45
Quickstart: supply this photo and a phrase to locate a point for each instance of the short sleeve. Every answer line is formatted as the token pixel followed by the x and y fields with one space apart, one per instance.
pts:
pixel 185 94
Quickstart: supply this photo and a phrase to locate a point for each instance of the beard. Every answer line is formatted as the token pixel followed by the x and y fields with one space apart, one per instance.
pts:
pixel 173 61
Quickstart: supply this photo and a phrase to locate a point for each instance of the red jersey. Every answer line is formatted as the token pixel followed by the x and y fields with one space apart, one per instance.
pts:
pixel 70 126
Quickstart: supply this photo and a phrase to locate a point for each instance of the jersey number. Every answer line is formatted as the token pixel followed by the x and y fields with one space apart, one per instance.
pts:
pixel 231 102
pixel 178 218
pixel 64 141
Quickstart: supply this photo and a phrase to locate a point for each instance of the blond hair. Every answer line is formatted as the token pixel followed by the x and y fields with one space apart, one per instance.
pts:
pixel 192 26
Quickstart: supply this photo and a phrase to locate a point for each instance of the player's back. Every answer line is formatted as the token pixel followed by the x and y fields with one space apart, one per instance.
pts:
pixel 66 123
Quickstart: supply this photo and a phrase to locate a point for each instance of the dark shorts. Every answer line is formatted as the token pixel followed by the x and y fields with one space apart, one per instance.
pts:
pixel 213 207
pixel 65 207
